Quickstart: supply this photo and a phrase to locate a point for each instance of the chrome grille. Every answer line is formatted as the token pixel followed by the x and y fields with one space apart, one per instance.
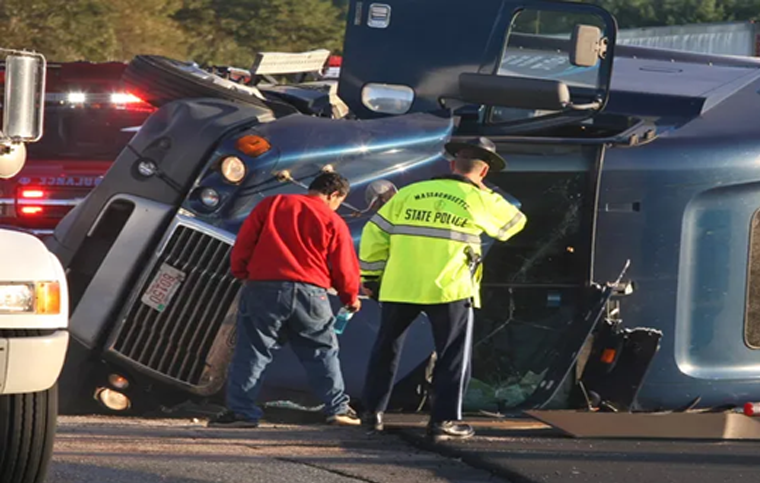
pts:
pixel 176 342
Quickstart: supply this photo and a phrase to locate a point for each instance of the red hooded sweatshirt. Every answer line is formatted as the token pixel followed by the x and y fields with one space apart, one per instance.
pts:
pixel 297 238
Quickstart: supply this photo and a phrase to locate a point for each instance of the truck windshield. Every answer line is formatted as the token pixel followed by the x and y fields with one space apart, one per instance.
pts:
pixel 85 133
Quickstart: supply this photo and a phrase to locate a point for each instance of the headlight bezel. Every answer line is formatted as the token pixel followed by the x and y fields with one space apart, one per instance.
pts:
pixel 43 298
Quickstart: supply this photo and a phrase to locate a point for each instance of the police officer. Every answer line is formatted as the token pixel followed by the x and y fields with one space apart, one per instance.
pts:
pixel 421 253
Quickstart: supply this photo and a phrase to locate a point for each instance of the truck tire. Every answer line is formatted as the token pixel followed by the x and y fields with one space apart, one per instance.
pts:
pixel 27 432
pixel 159 80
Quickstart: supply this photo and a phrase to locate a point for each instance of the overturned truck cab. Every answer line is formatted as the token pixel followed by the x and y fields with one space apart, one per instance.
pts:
pixel 639 181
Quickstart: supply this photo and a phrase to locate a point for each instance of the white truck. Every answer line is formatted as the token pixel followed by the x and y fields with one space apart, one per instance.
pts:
pixel 33 298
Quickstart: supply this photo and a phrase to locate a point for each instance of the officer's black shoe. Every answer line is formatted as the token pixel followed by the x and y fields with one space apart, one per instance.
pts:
pixel 449 430
pixel 230 419
pixel 373 421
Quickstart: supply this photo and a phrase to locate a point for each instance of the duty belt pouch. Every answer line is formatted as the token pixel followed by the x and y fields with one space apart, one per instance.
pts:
pixel 374 285
pixel 475 265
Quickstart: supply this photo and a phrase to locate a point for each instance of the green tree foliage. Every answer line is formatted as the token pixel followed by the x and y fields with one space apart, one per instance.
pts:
pixel 147 27
pixel 63 30
pixel 222 31
pixel 650 13
pixel 234 30
pixel 95 30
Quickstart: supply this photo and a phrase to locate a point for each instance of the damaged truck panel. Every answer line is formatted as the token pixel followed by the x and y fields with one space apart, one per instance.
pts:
pixel 683 209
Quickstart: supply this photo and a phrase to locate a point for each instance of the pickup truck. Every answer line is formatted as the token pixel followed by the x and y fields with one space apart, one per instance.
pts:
pixel 33 300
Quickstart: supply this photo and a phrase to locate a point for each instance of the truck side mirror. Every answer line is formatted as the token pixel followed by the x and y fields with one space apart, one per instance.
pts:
pixel 587 46
pixel 556 58
pixel 23 108
pixel 378 193
pixel 24 97
pixel 518 92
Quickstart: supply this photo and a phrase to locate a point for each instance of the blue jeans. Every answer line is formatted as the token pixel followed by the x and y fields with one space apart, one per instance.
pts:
pixel 302 313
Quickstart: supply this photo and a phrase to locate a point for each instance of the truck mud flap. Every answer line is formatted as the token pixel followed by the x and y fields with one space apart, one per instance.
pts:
pixel 618 363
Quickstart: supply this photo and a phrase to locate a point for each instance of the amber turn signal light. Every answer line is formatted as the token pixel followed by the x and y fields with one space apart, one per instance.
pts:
pixel 48 295
pixel 608 356
pixel 252 145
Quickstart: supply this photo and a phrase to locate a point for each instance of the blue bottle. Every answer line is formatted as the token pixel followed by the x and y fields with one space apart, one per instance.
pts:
pixel 341 320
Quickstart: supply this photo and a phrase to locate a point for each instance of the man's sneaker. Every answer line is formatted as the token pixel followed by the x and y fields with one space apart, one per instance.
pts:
pixel 230 419
pixel 346 418
pixel 449 430
pixel 373 421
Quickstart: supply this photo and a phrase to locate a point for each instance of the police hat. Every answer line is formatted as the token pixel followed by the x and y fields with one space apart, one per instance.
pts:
pixel 483 148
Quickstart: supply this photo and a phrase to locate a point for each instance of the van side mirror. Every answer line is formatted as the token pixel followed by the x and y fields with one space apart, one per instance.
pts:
pixel 23 108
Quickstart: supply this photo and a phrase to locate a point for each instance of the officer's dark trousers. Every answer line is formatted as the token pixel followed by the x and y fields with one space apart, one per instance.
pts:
pixel 452 332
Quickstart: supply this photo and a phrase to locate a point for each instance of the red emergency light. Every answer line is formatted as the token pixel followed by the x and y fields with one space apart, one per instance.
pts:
pixel 32 194
pixel 124 98
pixel 31 210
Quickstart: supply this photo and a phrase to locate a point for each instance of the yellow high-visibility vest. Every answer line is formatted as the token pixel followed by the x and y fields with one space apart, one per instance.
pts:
pixel 416 244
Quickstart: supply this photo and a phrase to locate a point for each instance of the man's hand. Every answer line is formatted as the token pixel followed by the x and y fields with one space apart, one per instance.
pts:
pixel 355 307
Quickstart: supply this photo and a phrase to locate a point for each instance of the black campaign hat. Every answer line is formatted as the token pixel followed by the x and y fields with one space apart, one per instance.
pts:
pixel 483 148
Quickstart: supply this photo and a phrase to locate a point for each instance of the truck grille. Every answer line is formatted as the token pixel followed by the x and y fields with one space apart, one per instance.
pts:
pixel 177 341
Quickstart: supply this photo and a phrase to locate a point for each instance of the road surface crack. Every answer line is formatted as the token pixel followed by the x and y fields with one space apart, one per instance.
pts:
pixel 329 470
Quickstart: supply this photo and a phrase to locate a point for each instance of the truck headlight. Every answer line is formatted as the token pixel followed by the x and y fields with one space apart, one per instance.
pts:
pixel 233 169
pixel 17 298
pixel 42 298
pixel 209 197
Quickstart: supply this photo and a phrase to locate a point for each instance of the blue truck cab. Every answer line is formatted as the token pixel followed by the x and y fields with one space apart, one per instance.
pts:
pixel 637 169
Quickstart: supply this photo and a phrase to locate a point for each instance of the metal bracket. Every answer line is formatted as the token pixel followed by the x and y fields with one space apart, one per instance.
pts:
pixel 3 362
pixel 20 52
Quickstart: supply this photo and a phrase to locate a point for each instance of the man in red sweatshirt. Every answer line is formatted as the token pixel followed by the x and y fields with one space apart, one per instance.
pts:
pixel 289 251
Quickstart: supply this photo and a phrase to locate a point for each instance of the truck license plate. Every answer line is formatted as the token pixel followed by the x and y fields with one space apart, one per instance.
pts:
pixel 163 287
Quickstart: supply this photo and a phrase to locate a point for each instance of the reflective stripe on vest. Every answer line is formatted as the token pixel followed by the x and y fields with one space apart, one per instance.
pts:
pixel 426 231
pixel 372 266
pixel 519 218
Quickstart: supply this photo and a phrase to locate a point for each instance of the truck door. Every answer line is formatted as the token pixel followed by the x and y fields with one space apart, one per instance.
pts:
pixel 421 55
pixel 534 77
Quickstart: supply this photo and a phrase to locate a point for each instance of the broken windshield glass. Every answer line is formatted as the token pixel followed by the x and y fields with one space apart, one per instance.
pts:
pixel 532 284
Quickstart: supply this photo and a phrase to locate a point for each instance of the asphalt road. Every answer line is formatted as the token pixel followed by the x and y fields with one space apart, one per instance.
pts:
pixel 120 450
pixel 117 450
pixel 545 456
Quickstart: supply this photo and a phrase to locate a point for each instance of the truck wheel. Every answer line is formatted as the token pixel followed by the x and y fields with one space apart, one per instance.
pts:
pixel 27 432
pixel 159 80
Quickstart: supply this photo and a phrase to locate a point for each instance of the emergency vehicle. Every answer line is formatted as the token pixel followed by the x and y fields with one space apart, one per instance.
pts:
pixel 637 170
pixel 89 118
pixel 33 299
